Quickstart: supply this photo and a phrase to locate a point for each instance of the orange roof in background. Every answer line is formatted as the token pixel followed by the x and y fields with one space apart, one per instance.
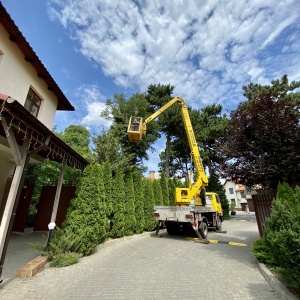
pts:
pixel 240 188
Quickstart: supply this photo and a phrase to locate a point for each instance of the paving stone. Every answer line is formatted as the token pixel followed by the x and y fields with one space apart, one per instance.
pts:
pixel 142 267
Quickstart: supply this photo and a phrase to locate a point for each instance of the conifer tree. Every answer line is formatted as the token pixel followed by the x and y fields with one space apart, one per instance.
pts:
pixel 118 219
pixel 164 189
pixel 139 202
pixel 86 215
pixel 129 213
pixel 157 193
pixel 171 186
pixel 107 178
pixel 214 185
pixel 150 223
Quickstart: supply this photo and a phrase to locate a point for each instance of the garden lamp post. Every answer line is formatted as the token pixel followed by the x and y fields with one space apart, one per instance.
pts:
pixel 51 227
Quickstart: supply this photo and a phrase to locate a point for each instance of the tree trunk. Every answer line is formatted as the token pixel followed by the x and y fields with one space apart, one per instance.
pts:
pixel 167 152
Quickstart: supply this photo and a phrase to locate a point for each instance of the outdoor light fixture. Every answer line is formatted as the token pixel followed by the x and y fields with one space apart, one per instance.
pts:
pixel 51 226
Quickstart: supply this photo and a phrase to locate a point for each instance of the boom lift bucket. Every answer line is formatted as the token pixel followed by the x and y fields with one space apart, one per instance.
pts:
pixel 135 129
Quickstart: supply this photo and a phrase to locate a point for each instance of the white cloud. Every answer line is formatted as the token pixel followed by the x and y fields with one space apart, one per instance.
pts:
pixel 180 42
pixel 93 118
pixel 206 49
pixel 90 103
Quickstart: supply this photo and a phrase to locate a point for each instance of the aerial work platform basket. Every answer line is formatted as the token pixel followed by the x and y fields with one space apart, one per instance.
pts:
pixel 135 129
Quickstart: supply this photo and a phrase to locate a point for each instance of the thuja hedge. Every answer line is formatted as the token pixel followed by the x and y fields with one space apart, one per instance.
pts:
pixel 109 203
pixel 86 215
pixel 279 247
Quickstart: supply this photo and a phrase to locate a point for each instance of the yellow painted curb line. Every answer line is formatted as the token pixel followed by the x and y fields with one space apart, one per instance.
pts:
pixel 220 242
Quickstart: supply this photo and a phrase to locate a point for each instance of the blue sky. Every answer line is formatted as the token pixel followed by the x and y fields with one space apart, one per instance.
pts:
pixel 206 49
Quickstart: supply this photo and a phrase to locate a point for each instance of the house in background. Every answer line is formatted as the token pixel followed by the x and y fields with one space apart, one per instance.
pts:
pixel 152 175
pixel 239 194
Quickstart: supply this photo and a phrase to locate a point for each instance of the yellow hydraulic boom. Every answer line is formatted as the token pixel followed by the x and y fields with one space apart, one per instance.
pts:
pixel 137 130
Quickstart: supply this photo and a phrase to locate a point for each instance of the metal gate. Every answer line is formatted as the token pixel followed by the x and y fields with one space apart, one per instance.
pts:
pixel 262 206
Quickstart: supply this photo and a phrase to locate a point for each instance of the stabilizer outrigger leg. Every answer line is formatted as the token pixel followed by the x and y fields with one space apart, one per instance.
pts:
pixel 200 239
pixel 160 223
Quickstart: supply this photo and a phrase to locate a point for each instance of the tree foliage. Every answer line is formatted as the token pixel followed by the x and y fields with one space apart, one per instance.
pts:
pixel 261 145
pixel 158 96
pixel 118 111
pixel 164 189
pixel 150 223
pixel 139 201
pixel 209 127
pixel 157 193
pixel 86 215
pixel 129 212
pixel 118 203
pixel 214 185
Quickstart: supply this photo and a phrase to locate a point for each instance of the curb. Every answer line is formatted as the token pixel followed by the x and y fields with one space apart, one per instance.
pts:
pixel 123 239
pixel 276 285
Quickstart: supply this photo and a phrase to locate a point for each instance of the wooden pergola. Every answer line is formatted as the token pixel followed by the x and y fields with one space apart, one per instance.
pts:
pixel 27 139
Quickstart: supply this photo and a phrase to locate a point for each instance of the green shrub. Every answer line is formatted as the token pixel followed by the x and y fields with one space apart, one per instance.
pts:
pixel 280 245
pixel 65 259
pixel 63 248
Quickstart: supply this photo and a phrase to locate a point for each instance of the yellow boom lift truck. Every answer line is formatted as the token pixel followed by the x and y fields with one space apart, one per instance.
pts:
pixel 188 211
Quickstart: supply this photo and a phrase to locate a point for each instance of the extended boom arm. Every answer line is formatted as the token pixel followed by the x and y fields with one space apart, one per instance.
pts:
pixel 136 136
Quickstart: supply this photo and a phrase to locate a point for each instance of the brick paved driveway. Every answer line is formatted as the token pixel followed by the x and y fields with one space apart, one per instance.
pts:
pixel 142 267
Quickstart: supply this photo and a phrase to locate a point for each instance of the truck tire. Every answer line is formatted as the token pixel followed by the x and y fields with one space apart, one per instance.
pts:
pixel 219 224
pixel 203 229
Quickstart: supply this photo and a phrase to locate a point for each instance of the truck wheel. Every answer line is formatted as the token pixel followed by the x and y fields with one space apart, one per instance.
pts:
pixel 219 224
pixel 203 229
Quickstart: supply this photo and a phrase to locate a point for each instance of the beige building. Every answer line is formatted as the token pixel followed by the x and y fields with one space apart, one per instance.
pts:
pixel 23 77
pixel 29 99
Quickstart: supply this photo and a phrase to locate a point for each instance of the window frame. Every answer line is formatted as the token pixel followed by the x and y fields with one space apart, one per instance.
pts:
pixel 32 102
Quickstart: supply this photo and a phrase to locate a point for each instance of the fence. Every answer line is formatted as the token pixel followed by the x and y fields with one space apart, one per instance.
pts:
pixel 262 206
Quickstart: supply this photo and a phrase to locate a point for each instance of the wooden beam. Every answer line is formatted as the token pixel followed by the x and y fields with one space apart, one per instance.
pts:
pixel 11 203
pixel 46 143
pixel 12 142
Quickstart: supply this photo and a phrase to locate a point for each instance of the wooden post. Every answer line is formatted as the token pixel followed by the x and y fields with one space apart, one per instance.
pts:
pixel 22 159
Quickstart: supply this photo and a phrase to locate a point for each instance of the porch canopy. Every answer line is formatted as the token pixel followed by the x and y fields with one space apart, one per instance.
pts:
pixel 18 121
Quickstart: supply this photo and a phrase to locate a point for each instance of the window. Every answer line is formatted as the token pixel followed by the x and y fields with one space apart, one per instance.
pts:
pixel 230 190
pixel 243 194
pixel 33 102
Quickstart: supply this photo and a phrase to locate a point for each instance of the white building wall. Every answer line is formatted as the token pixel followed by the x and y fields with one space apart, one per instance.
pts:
pixel 17 76
pixel 231 197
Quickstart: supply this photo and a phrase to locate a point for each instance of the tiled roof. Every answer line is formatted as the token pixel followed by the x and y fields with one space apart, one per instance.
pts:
pixel 16 36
